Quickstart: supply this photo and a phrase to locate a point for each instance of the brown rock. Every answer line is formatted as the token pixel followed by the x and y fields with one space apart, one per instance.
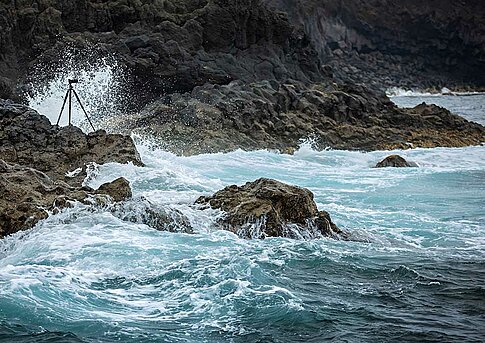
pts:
pixel 27 138
pixel 28 195
pixel 118 190
pixel 269 208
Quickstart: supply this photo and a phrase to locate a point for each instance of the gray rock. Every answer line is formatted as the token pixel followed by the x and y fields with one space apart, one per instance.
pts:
pixel 395 161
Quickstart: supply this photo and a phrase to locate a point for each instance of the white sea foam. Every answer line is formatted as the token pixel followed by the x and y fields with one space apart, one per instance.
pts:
pixel 100 89
pixel 401 92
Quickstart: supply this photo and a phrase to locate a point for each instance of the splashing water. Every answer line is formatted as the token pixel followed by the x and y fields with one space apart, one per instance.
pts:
pixel 87 276
pixel 100 88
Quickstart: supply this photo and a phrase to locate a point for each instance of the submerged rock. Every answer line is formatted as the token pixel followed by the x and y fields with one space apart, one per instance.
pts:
pixel 269 208
pixel 28 138
pixel 395 161
pixel 28 195
pixel 142 211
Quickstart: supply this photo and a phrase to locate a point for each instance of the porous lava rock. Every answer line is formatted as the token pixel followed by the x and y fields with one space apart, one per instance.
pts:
pixel 269 208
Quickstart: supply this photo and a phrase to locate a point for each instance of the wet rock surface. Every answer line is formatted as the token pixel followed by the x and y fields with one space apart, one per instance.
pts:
pixel 395 161
pixel 28 138
pixel 269 208
pixel 28 195
pixel 273 115
pixel 142 211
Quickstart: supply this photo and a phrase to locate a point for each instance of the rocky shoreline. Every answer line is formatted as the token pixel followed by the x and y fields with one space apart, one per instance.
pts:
pixel 206 76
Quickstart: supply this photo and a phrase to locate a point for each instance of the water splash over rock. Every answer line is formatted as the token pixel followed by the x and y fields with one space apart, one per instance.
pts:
pixel 269 208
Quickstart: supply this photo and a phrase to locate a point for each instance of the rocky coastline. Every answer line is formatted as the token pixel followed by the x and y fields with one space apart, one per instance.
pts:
pixel 205 76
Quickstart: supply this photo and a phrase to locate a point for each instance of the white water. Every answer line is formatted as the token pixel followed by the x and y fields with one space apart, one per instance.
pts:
pixel 420 277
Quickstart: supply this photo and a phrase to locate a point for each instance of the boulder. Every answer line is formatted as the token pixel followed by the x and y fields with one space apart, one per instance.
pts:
pixel 269 208
pixel 28 138
pixel 395 161
pixel 118 190
pixel 28 195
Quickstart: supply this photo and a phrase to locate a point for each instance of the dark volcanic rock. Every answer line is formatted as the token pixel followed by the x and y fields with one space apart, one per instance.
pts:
pixel 28 195
pixel 274 115
pixel 166 45
pixel 395 161
pixel 269 208
pixel 27 138
pixel 387 43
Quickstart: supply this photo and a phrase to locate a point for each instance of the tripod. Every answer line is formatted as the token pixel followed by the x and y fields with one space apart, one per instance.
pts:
pixel 69 94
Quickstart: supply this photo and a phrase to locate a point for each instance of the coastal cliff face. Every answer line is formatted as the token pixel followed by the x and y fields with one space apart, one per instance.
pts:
pixel 218 75
pixel 173 46
pixel 388 43
pixel 167 46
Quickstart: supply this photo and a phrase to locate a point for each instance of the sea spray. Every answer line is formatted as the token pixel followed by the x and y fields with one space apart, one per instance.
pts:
pixel 102 87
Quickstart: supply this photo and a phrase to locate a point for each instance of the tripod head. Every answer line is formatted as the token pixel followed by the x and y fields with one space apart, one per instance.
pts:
pixel 71 81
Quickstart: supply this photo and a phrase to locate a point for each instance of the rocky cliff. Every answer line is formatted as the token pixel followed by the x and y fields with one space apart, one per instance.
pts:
pixel 176 45
pixel 387 43
pixel 212 75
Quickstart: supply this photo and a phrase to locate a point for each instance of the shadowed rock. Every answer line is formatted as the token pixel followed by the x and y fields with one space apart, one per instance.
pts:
pixel 269 208
pixel 395 161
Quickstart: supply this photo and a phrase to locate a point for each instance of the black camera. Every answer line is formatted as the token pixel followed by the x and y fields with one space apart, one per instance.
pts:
pixel 71 81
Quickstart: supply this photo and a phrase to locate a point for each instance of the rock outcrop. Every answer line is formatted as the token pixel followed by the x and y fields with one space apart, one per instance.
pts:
pixel 213 75
pixel 28 138
pixel 28 195
pixel 273 115
pixel 395 161
pixel 269 208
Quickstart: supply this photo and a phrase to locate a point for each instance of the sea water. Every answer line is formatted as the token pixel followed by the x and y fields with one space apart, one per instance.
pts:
pixel 416 273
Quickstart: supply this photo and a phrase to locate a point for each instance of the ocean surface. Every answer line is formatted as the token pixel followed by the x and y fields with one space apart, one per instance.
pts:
pixel 417 275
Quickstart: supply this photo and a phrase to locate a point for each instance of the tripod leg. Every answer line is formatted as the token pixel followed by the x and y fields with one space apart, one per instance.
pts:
pixel 62 108
pixel 82 107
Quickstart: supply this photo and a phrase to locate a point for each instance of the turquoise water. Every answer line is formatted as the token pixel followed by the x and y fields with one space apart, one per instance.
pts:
pixel 417 273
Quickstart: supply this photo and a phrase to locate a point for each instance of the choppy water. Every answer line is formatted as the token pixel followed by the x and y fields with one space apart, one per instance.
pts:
pixel 90 277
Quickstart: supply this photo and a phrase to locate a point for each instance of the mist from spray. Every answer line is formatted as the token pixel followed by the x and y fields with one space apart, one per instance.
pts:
pixel 101 89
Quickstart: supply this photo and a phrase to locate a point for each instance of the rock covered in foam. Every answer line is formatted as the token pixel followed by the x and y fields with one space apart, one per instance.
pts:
pixel 28 195
pixel 269 208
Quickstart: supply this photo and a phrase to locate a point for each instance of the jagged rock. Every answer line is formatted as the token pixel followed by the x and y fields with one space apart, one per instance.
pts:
pixel 274 115
pixel 399 43
pixel 395 161
pixel 28 195
pixel 269 208
pixel 27 138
